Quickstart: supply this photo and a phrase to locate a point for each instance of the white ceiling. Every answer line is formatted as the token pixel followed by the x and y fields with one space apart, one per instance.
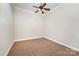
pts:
pixel 29 6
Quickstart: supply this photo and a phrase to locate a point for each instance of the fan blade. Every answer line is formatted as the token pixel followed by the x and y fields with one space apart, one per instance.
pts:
pixel 35 6
pixel 44 4
pixel 42 12
pixel 36 11
pixel 47 9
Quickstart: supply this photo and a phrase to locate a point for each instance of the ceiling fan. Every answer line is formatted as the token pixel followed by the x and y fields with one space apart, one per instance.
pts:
pixel 42 8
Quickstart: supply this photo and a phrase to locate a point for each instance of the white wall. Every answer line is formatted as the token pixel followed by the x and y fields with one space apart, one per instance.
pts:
pixel 6 28
pixel 27 24
pixel 62 24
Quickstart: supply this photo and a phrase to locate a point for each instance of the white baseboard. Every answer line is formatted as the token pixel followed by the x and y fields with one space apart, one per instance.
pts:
pixel 19 40
pixel 9 49
pixel 28 38
pixel 71 47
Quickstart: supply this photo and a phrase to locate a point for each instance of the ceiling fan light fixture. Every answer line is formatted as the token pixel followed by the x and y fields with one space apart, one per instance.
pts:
pixel 42 8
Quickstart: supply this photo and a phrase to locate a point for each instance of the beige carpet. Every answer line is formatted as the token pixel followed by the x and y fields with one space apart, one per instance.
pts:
pixel 40 47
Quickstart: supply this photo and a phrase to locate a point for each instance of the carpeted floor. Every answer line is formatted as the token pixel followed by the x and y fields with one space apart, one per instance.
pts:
pixel 40 47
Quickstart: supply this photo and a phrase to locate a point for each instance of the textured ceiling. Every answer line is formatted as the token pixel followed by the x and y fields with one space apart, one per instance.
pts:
pixel 29 6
